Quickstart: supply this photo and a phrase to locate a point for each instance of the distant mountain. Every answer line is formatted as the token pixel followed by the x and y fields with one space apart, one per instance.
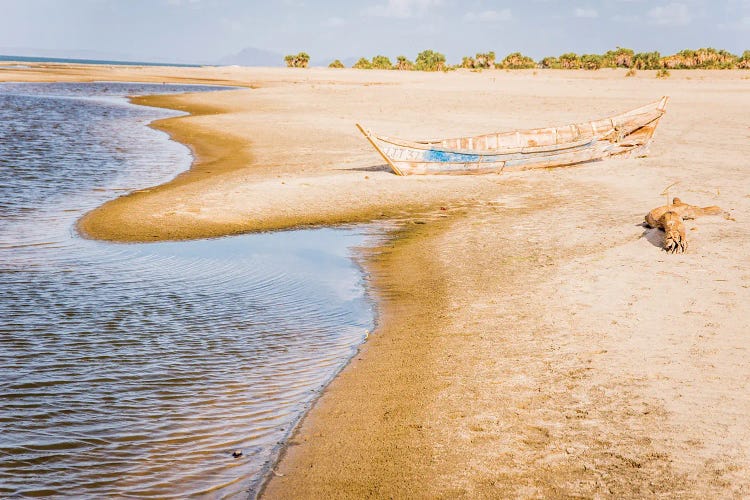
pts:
pixel 251 56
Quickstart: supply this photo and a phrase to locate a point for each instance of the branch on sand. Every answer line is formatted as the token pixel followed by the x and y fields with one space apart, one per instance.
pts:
pixel 670 219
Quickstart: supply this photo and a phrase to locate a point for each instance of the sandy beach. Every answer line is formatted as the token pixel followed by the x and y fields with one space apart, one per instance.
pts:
pixel 533 339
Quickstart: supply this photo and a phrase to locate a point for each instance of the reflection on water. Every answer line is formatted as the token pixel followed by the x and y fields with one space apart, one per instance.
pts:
pixel 137 369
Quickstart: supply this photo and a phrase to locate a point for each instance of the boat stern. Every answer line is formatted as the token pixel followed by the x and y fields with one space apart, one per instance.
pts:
pixel 662 106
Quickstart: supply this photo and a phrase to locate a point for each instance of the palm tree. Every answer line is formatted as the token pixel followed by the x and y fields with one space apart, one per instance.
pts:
pixel 428 60
pixel 744 61
pixel 484 60
pixel 570 60
pixel 299 60
pixel 619 58
pixel 403 64
pixel 303 59
pixel 516 60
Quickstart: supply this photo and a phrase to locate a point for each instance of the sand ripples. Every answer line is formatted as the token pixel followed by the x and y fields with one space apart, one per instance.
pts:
pixel 135 370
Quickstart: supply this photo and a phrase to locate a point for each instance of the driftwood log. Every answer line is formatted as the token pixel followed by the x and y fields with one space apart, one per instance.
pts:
pixel 670 219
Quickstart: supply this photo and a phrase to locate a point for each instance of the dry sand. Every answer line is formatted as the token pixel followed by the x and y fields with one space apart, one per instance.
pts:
pixel 534 341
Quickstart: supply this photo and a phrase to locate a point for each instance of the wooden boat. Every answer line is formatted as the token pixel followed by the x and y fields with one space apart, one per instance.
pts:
pixel 626 134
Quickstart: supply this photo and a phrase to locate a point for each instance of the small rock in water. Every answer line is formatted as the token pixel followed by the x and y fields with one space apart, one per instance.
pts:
pixel 237 453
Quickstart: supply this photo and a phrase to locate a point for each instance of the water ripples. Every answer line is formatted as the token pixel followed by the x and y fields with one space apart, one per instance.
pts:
pixel 135 370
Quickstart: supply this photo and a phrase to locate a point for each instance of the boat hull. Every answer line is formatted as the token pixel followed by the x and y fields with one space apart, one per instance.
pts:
pixel 627 134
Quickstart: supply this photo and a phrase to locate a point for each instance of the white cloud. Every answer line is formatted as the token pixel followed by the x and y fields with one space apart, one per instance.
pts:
pixel 671 14
pixel 588 13
pixel 401 9
pixel 233 24
pixel 630 18
pixel 739 11
pixel 488 16
pixel 333 22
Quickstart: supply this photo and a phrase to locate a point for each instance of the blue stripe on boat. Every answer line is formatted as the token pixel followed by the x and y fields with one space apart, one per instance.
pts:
pixel 446 157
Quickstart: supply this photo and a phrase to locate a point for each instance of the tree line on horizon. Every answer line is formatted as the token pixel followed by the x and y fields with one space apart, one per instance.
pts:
pixel 429 60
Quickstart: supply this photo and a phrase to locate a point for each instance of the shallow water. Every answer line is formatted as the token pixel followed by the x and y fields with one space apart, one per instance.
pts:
pixel 136 370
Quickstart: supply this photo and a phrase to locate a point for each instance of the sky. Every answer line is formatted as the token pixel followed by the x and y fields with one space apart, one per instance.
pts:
pixel 204 31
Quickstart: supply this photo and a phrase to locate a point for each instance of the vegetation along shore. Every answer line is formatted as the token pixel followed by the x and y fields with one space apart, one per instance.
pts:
pixel 429 60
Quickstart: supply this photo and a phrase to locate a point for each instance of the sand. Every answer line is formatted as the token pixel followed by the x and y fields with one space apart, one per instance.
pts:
pixel 534 340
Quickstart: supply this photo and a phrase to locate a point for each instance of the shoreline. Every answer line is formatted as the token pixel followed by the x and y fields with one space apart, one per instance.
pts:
pixel 360 258
pixel 534 340
pixel 229 155
pixel 362 393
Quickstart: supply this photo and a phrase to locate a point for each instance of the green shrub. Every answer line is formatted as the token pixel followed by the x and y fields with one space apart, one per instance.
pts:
pixel 550 62
pixel 363 63
pixel 381 62
pixel 591 61
pixel 647 60
pixel 428 60
pixel 662 73
pixel 336 64
pixel 705 58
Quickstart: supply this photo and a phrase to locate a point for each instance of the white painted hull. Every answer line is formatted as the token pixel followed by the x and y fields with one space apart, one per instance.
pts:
pixel 625 134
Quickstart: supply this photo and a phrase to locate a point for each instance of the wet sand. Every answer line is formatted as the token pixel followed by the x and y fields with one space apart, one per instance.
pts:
pixel 533 340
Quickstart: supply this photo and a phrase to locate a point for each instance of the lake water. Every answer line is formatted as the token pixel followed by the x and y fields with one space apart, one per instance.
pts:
pixel 61 60
pixel 137 369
